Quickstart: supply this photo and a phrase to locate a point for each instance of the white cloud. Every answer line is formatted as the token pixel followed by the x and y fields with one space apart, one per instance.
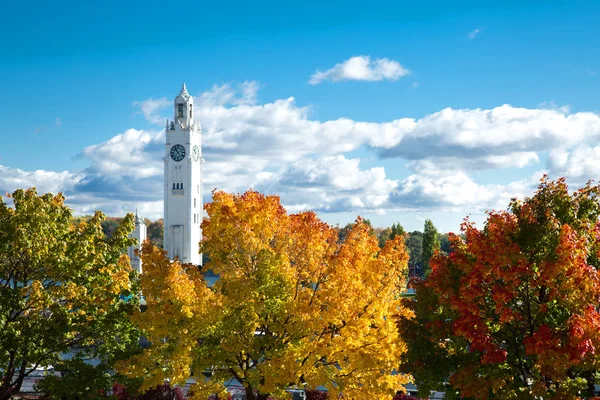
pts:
pixel 135 153
pixel 473 34
pixel 484 162
pixel 58 122
pixel 579 164
pixel 362 68
pixel 150 107
pixel 503 130
pixel 456 191
pixel 551 105
pixel 331 183
pixel 249 90
pixel 12 179
pixel 278 148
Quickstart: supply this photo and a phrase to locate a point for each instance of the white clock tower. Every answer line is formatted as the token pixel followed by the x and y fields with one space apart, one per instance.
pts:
pixel 183 183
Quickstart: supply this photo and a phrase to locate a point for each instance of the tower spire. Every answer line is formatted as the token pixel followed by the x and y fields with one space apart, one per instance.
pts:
pixel 183 90
pixel 137 217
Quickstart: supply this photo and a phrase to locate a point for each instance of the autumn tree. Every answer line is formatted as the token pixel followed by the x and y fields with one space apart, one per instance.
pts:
pixel 156 232
pixel 61 285
pixel 512 312
pixel 431 243
pixel 293 306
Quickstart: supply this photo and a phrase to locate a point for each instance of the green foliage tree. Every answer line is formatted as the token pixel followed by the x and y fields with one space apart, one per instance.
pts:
pixel 343 232
pixel 444 243
pixel 61 285
pixel 512 312
pixel 414 244
pixel 79 381
pixel 431 244
pixel 397 230
pixel 110 225
pixel 383 235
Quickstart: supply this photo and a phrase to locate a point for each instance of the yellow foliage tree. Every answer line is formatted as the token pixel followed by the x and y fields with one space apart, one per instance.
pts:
pixel 292 306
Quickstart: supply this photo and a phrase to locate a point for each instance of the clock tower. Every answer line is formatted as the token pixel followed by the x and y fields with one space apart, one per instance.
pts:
pixel 183 183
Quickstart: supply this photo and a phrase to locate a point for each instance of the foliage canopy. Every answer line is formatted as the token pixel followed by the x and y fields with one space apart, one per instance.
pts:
pixel 62 285
pixel 514 308
pixel 294 306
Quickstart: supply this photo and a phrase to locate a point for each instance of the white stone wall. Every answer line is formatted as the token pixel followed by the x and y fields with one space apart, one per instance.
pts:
pixel 183 184
pixel 138 233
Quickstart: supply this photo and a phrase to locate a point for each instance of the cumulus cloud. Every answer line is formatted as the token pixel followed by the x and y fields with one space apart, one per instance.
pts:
pixel 579 164
pixel 12 179
pixel 362 68
pixel 135 153
pixel 330 184
pixel 457 192
pixel 483 162
pixel 504 130
pixel 276 147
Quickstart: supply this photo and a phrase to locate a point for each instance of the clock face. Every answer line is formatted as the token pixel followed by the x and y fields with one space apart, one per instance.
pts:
pixel 177 152
pixel 195 153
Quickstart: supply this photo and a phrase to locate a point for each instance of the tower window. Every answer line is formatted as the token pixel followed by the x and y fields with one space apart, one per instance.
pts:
pixel 180 110
pixel 194 202
pixel 191 116
pixel 173 185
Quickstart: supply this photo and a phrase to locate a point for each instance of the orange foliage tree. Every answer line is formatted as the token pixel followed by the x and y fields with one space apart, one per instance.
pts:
pixel 512 312
pixel 293 307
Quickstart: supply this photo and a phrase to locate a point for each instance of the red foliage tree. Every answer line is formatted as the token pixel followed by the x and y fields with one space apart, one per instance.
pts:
pixel 513 311
pixel 316 395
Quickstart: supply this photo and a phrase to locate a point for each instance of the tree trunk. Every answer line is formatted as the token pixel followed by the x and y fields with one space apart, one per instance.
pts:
pixel 250 395
pixel 6 390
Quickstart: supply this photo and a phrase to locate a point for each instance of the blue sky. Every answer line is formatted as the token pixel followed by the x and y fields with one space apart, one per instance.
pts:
pixel 75 77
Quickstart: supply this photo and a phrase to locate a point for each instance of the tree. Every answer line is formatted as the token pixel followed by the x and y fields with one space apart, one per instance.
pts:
pixel 292 307
pixel 383 235
pixel 61 285
pixel 431 244
pixel 414 244
pixel 345 231
pixel 156 232
pixel 444 243
pixel 316 395
pixel 397 230
pixel 82 381
pixel 161 392
pixel 512 312
pixel 110 225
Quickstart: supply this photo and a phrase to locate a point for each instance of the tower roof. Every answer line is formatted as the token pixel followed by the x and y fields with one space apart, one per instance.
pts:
pixel 138 220
pixel 184 92
pixel 184 95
